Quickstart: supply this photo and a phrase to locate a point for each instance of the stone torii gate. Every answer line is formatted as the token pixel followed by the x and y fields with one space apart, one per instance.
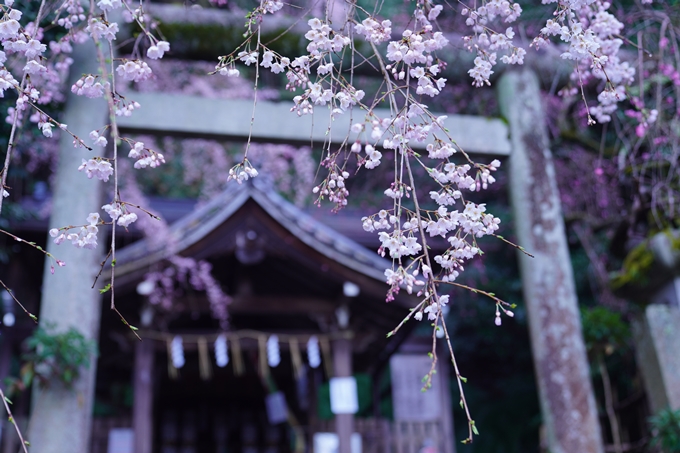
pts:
pixel 567 401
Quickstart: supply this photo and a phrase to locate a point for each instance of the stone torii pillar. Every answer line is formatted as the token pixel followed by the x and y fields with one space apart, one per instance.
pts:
pixel 61 417
pixel 565 389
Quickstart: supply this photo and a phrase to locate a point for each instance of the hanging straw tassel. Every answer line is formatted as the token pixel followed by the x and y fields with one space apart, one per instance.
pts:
pixel 204 360
pixel 327 358
pixel 295 356
pixel 262 347
pixel 238 358
pixel 172 371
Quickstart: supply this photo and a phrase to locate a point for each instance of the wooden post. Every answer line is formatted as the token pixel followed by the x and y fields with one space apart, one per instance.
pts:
pixel 446 416
pixel 142 411
pixel 342 366
pixel 566 393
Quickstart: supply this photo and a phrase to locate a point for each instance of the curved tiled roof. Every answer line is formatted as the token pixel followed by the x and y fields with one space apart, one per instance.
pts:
pixel 194 227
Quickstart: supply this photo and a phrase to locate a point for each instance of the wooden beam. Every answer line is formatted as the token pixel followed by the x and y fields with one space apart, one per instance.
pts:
pixel 279 304
pixel 194 116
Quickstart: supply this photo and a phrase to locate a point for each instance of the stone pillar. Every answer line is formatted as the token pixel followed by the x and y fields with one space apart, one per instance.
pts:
pixel 142 411
pixel 61 417
pixel 566 394
pixel 657 350
pixel 342 366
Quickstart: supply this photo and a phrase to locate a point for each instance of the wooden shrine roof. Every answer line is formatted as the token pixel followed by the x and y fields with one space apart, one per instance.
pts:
pixel 190 236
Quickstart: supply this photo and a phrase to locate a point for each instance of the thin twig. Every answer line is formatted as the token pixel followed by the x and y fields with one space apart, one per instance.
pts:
pixel 101 269
pixel 9 291
pixel 5 400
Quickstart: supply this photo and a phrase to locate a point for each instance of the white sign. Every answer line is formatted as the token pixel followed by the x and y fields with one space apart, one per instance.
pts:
pixel 277 409
pixel 344 398
pixel 410 402
pixel 328 443
pixel 121 440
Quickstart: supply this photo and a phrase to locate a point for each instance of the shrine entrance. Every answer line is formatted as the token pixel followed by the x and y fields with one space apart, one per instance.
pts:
pixel 225 415
pixel 307 305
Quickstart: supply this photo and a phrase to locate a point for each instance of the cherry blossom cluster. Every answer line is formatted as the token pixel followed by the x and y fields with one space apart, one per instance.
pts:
pixel 98 139
pixel 374 31
pixel 157 50
pixel 73 13
pixel 184 274
pixel 324 41
pixel 49 73
pixel 499 308
pixel 86 237
pixel 432 309
pixel 333 187
pixel 593 35
pixel 134 70
pixel 98 168
pixel 487 42
pixel 41 76
pixel 124 107
pixel 411 62
pixel 242 172
pixel 101 29
pixel 145 157
pixel 119 214
pixel 90 86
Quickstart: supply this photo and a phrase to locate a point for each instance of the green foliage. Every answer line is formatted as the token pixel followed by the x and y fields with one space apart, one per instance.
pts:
pixel 208 41
pixel 53 357
pixel 666 431
pixel 603 330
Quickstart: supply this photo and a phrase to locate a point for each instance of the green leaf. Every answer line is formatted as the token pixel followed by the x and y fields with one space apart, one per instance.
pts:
pixel 474 428
pixel 105 289
pixel 462 406
pixel 133 327
pixel 8 400
pixel 464 379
